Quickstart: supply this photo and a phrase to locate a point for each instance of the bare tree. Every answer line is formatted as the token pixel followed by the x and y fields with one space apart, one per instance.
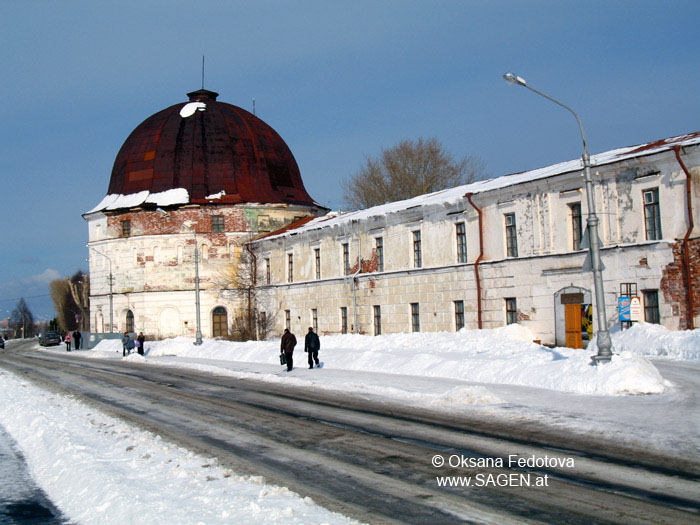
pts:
pixel 22 320
pixel 71 300
pixel 241 282
pixel 408 169
pixel 79 286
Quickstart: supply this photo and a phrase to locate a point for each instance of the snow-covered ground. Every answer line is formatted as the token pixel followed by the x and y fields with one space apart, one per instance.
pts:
pixel 504 355
pixel 71 448
pixel 97 469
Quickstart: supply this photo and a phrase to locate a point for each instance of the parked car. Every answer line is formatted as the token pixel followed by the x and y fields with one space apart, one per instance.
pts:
pixel 49 338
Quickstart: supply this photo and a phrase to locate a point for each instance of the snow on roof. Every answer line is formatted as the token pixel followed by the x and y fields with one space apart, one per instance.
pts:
pixel 216 195
pixel 454 195
pixel 163 198
pixel 190 109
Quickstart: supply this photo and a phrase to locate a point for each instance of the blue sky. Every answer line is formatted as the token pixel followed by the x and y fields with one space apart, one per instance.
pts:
pixel 337 80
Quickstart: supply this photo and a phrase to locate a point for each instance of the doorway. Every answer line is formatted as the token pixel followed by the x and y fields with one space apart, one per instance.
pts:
pixel 219 322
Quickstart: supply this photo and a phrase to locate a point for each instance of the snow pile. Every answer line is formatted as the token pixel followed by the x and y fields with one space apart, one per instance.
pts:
pixel 97 469
pixel 657 341
pixel 503 355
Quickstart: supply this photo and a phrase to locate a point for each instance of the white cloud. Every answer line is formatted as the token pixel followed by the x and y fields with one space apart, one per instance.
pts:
pixel 44 277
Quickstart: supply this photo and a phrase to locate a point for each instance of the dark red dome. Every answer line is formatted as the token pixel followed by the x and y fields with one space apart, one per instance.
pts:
pixel 211 147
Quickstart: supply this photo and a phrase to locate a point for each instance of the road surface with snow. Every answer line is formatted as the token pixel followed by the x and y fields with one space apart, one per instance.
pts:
pixel 375 460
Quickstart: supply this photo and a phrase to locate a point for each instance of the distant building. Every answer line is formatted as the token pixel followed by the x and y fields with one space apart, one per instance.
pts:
pixel 199 169
pixel 506 250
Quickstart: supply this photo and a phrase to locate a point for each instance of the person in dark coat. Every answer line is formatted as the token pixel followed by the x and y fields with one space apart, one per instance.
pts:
pixel 312 345
pixel 287 346
pixel 127 344
pixel 76 339
pixel 142 340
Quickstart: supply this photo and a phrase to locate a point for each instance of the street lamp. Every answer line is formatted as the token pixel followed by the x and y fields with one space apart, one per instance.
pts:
pixel 111 295
pixel 603 336
pixel 198 334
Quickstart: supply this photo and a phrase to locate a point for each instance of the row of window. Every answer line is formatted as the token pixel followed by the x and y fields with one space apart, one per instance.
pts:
pixel 218 225
pixel 652 220
pixel 651 314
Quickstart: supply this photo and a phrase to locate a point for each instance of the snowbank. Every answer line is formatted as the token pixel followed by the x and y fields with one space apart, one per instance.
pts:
pixel 504 355
pixel 657 341
pixel 97 469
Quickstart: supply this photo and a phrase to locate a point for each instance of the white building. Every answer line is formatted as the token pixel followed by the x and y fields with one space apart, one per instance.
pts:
pixel 500 251
pixel 202 172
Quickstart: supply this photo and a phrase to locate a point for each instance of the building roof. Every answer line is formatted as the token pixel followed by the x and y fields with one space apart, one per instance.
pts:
pixel 203 151
pixel 454 195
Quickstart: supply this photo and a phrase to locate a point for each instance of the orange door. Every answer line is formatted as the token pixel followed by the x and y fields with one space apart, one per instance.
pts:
pixel 572 316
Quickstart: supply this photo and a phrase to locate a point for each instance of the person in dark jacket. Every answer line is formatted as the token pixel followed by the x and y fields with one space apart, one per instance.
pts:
pixel 127 344
pixel 142 341
pixel 287 346
pixel 76 339
pixel 312 345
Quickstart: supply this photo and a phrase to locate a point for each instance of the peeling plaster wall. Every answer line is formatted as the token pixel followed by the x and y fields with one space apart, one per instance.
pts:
pixel 153 268
pixel 546 262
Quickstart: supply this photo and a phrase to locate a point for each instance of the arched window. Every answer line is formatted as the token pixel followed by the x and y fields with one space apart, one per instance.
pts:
pixel 179 253
pixel 129 321
pixel 205 251
pixel 219 322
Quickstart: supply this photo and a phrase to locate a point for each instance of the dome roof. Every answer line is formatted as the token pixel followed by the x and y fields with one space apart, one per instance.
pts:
pixel 210 149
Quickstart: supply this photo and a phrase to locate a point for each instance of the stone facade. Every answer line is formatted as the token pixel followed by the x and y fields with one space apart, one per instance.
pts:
pixel 417 280
pixel 152 263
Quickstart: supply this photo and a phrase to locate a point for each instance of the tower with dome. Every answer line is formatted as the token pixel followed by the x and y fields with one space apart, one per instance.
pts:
pixel 200 171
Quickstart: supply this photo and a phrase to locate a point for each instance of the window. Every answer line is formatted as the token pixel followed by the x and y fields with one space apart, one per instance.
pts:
pixel 287 319
pixel 651 306
pixel 217 224
pixel 219 322
pixel 314 319
pixel 511 236
pixel 126 228
pixel 290 268
pixel 511 311
pixel 379 243
pixel 317 256
pixel 461 242
pixel 417 254
pixel 268 271
pixel 346 258
pixel 415 317
pixel 343 319
pixel 377 320
pixel 652 218
pixel 576 225
pixel 129 321
pixel 459 315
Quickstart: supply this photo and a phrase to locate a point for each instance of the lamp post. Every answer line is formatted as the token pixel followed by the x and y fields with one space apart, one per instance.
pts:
pixel 111 295
pixel 603 336
pixel 198 332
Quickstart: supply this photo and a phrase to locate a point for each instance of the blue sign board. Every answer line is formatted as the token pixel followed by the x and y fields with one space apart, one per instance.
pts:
pixel 623 306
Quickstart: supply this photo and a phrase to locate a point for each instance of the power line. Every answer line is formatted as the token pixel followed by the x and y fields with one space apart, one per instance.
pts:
pixel 28 297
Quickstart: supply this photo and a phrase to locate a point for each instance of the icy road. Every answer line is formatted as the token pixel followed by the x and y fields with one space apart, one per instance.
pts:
pixel 380 462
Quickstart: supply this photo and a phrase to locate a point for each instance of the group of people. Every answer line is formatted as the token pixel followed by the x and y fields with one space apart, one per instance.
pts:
pixel 128 344
pixel 73 338
pixel 312 345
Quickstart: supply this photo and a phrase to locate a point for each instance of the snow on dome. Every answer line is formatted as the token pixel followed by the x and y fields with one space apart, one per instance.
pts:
pixel 216 195
pixel 163 198
pixel 189 109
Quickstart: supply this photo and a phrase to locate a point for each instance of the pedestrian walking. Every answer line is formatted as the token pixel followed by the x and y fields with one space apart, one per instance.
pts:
pixel 142 342
pixel 287 347
pixel 312 345
pixel 127 344
pixel 67 340
pixel 76 339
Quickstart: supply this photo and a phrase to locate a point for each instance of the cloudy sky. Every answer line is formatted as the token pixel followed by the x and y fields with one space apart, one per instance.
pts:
pixel 338 80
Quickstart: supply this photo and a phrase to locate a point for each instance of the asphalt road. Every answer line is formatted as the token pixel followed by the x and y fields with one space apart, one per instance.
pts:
pixel 375 461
